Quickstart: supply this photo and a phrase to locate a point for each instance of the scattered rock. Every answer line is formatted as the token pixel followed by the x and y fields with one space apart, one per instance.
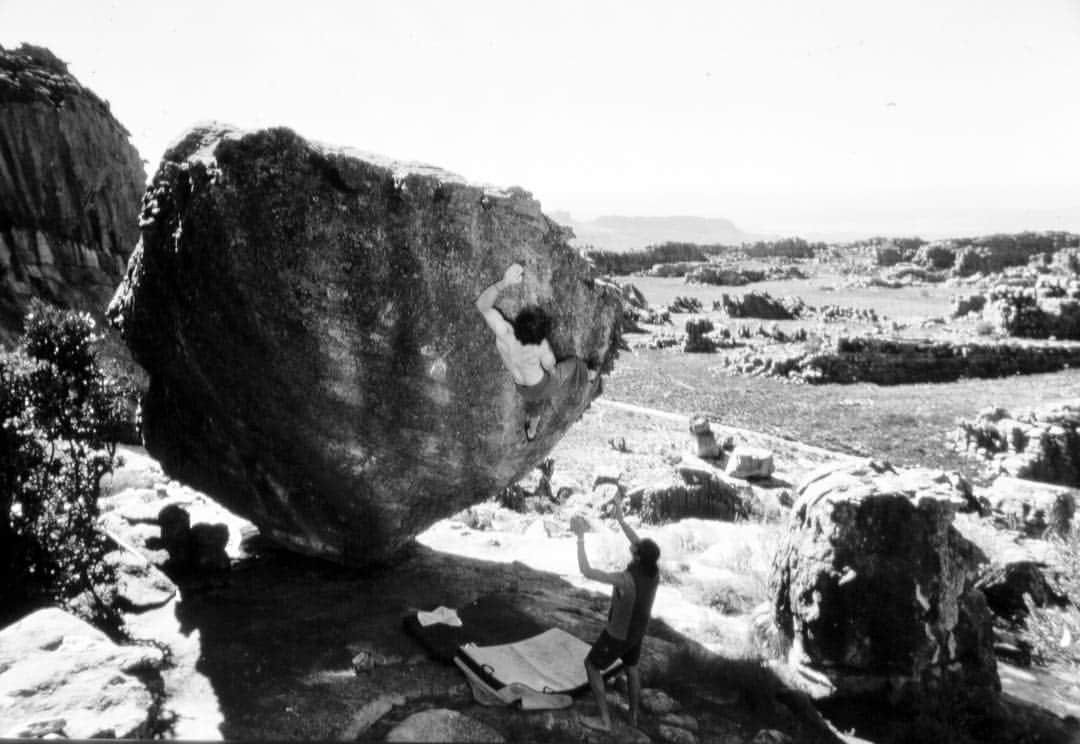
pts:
pixel 443 724
pixel 658 702
pixel 676 735
pixel 140 585
pixel 366 657
pixel 366 717
pixel 681 720
pixel 58 674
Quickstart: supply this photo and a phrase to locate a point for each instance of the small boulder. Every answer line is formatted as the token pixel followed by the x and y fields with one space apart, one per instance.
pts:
pixel 140 585
pixel 771 736
pixel 676 735
pixel 1005 588
pixel 704 437
pixel 658 702
pixel 443 724
pixel 750 462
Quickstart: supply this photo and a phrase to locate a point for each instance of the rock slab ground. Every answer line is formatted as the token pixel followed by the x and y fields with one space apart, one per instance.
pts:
pixel 60 675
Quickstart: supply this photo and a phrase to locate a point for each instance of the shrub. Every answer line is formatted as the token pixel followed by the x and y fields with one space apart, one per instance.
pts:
pixel 59 422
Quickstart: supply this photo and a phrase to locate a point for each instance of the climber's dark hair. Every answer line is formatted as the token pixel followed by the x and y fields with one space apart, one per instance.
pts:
pixel 532 325
pixel 647 553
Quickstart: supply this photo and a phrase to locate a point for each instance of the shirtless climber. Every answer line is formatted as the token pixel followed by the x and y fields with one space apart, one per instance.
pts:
pixel 632 595
pixel 526 353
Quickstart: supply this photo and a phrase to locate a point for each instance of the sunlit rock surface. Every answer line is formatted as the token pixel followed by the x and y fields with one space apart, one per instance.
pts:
pixel 317 363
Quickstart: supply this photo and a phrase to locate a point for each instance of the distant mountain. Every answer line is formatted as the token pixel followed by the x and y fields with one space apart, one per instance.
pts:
pixel 627 233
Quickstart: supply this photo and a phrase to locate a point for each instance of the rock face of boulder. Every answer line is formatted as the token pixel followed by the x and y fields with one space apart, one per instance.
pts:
pixel 317 364
pixel 874 587
pixel 70 185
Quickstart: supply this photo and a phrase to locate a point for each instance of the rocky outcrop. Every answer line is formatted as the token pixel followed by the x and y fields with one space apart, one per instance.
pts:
pixel 724 276
pixel 70 185
pixel 1041 444
pixel 306 315
pixel 759 305
pixel 874 588
pixel 443 724
pixel 897 361
pixel 1049 309
pixel 993 253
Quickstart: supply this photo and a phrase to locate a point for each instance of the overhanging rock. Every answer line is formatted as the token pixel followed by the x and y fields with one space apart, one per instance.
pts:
pixel 317 363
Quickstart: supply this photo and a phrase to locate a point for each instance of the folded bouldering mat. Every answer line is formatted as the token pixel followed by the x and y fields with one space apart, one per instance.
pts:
pixel 550 662
pixel 505 655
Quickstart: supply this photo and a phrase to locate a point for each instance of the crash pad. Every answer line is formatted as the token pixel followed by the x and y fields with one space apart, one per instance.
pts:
pixel 551 662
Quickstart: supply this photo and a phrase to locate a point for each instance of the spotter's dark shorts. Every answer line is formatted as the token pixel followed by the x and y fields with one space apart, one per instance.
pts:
pixel 607 649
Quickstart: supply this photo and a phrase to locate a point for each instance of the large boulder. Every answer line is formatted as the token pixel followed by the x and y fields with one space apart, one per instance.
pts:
pixel 306 314
pixel 70 184
pixel 873 587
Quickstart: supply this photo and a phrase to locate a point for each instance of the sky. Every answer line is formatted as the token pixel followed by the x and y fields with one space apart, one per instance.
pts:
pixel 784 116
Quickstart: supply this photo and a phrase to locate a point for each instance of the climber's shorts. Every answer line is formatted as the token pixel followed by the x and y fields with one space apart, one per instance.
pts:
pixel 608 648
pixel 542 390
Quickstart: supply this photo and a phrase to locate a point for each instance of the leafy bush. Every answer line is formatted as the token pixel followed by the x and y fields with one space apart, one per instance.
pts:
pixel 59 422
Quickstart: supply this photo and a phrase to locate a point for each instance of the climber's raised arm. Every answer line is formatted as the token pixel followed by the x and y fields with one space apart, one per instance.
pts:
pixel 578 526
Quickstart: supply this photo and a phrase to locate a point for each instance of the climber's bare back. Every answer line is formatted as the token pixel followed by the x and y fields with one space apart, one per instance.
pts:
pixel 525 362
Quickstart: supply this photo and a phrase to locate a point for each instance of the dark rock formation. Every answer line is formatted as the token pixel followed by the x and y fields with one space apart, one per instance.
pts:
pixel 724 276
pixel 759 305
pixel 897 361
pixel 317 363
pixel 874 587
pixel 991 254
pixel 1051 308
pixel 697 336
pixel 70 184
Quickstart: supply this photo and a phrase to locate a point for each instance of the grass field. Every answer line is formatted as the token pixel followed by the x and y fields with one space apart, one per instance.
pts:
pixel 905 424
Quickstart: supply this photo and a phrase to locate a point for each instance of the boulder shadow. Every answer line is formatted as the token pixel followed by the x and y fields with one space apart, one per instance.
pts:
pixel 278 636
